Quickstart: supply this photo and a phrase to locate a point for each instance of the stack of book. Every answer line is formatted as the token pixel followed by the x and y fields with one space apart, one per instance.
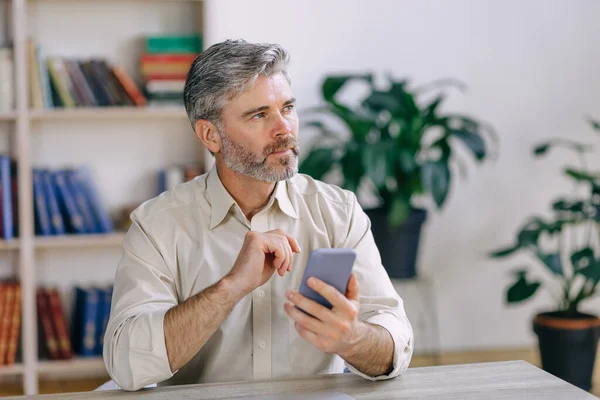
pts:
pixel 164 66
pixel 10 321
pixel 85 337
pixel 7 86
pixel 67 82
pixel 66 201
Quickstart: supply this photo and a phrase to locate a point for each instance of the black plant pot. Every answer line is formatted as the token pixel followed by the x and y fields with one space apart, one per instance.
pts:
pixel 398 247
pixel 568 343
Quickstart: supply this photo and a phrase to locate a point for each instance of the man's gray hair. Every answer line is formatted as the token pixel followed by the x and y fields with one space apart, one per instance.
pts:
pixel 225 70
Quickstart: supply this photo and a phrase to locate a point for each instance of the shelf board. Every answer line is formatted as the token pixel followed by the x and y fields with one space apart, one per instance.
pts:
pixel 78 113
pixel 8 115
pixel 13 369
pixel 76 365
pixel 73 241
pixel 12 244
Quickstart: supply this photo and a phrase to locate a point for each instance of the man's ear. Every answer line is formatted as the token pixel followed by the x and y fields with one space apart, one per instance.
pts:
pixel 209 135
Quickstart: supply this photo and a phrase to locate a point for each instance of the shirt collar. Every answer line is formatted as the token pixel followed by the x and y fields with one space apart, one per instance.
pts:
pixel 221 201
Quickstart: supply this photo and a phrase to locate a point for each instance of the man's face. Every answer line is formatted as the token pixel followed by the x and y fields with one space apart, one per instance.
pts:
pixel 260 129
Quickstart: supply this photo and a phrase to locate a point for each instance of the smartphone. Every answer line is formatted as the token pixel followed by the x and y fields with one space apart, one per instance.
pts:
pixel 332 266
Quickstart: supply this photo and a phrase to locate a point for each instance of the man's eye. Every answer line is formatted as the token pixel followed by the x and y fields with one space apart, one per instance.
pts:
pixel 289 107
pixel 259 116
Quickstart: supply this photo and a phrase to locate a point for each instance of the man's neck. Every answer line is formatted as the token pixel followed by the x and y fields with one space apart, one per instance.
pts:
pixel 249 193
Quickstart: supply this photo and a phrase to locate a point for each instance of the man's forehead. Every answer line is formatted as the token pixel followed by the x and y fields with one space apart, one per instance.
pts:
pixel 274 88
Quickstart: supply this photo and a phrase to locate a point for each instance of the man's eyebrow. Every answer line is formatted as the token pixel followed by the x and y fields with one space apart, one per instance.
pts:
pixel 254 110
pixel 264 108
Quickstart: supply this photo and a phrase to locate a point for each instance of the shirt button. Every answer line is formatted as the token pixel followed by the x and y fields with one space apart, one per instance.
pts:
pixel 261 293
pixel 262 345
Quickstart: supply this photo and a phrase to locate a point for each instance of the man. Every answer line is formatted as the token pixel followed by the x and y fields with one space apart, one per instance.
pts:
pixel 207 283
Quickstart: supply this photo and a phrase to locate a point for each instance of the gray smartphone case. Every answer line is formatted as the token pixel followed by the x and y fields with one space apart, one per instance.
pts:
pixel 332 266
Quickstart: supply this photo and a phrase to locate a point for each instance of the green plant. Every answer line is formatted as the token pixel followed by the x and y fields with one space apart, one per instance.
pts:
pixel 404 148
pixel 568 243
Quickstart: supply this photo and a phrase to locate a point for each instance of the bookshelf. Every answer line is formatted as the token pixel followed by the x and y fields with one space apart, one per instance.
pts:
pixel 8 116
pixel 53 136
pixel 127 113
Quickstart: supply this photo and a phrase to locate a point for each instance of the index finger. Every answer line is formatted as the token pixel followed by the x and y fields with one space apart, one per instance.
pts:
pixel 330 293
pixel 293 243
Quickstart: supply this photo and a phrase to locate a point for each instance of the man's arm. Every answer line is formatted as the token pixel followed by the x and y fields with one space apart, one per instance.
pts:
pixel 367 347
pixel 189 325
pixel 149 336
pixel 370 332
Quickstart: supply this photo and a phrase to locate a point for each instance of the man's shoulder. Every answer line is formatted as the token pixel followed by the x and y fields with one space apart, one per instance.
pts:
pixel 306 186
pixel 173 201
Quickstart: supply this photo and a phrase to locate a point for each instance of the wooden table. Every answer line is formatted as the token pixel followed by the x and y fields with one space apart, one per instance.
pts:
pixel 514 380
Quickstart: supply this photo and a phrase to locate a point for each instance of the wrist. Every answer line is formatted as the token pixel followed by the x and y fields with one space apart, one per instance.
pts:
pixel 230 285
pixel 353 348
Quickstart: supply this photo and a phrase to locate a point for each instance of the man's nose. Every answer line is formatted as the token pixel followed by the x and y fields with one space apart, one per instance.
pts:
pixel 281 126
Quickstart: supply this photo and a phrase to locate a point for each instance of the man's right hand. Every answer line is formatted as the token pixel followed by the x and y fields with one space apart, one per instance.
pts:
pixel 260 256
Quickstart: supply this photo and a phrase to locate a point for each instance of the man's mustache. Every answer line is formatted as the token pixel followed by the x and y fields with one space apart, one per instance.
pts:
pixel 288 142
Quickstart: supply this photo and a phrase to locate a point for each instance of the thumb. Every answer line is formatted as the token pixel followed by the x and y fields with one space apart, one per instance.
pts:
pixel 352 290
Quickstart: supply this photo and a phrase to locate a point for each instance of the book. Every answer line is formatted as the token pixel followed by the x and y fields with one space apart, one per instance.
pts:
pixel 47 339
pixel 7 198
pixel 173 43
pixel 7 85
pixel 15 326
pixel 84 321
pixel 59 323
pixel 43 225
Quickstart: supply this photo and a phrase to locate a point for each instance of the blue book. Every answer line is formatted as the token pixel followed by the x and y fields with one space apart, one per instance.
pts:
pixel 77 188
pixel 67 203
pixel 42 216
pixel 56 220
pixel 84 321
pixel 103 219
pixel 102 317
pixel 6 187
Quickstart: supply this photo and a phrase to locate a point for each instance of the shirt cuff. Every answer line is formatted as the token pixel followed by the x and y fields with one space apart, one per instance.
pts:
pixel 151 353
pixel 402 335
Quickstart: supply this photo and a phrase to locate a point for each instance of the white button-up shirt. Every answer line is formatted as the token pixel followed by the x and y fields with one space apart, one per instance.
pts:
pixel 188 238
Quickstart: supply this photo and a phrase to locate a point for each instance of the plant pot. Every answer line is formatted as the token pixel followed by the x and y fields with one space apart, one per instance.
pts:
pixel 398 247
pixel 568 344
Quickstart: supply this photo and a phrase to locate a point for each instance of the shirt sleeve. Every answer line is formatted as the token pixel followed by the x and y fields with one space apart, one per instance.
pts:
pixel 380 304
pixel 135 353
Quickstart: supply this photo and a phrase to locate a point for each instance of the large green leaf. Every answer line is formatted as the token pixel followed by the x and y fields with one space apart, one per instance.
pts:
pixel 505 252
pixel 528 237
pixel 429 115
pixel 379 101
pixel 582 176
pixel 318 162
pixel 352 166
pixel 359 124
pixel 406 161
pixel 591 272
pixel 552 261
pixel 583 258
pixel 376 162
pixel 332 85
pixel 473 141
pixel 436 180
pixel 542 148
pixel 521 289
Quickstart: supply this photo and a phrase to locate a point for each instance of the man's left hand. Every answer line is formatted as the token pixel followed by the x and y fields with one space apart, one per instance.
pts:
pixel 332 331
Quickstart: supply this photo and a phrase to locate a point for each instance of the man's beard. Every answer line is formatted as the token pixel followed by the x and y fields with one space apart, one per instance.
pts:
pixel 241 160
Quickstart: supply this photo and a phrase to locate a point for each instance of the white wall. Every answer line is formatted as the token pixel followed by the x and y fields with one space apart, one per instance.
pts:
pixel 532 72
